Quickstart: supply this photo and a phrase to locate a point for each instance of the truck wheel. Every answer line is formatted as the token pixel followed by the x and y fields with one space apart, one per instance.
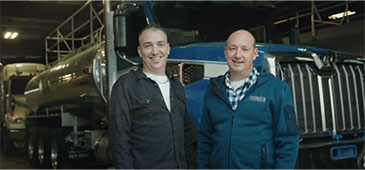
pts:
pixel 32 146
pixel 321 158
pixel 44 148
pixel 59 158
pixel 6 144
pixel 361 159
pixel 304 159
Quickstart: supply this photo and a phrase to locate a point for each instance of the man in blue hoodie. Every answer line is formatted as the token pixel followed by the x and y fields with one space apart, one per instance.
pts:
pixel 248 120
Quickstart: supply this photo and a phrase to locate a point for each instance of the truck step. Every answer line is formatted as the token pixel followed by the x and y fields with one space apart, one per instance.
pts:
pixel 343 152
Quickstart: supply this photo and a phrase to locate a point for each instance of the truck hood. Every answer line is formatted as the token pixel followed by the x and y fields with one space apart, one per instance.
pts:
pixel 215 51
pixel 199 52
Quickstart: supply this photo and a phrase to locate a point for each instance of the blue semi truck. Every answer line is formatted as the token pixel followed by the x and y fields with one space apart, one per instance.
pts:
pixel 327 88
pixel 68 120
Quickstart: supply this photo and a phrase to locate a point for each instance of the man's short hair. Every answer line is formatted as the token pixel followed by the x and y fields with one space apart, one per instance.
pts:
pixel 153 27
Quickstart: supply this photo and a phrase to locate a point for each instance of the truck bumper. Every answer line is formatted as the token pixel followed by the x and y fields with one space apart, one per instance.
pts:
pixel 17 134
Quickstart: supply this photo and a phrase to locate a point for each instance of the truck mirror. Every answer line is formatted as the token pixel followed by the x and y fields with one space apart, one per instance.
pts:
pixel 120 36
pixel 12 106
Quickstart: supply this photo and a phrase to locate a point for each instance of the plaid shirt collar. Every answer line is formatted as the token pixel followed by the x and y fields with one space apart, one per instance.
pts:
pixel 236 96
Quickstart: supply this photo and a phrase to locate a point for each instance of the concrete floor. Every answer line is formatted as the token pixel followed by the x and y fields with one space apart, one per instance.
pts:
pixel 17 159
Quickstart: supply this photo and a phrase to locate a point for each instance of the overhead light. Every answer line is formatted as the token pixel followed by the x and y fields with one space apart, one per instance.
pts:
pixel 11 35
pixel 341 14
pixel 14 35
pixel 7 35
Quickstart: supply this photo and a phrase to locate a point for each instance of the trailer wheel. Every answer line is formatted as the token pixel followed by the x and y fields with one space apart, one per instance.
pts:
pixel 44 148
pixel 6 143
pixel 32 146
pixel 59 158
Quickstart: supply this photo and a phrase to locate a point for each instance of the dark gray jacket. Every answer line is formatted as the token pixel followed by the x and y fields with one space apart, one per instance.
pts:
pixel 143 133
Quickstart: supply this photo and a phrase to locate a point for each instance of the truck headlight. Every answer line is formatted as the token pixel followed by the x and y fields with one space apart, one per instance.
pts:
pixel 17 120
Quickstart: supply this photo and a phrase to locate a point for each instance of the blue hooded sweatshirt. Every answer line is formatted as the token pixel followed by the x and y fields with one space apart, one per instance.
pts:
pixel 261 133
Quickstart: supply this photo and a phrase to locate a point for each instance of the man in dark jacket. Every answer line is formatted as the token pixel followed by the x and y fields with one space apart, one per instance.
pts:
pixel 248 120
pixel 148 122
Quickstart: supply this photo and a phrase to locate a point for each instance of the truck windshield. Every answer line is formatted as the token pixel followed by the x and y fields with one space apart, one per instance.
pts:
pixel 213 20
pixel 18 85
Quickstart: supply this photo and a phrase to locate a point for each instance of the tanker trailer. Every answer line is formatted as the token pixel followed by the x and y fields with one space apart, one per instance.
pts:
pixel 1 92
pixel 68 110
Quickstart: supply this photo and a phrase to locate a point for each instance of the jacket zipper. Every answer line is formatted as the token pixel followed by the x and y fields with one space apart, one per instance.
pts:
pixel 230 136
pixel 173 140
pixel 217 91
pixel 263 157
pixel 230 142
pixel 172 127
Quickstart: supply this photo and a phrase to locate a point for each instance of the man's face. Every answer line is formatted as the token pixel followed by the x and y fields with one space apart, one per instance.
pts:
pixel 240 53
pixel 154 49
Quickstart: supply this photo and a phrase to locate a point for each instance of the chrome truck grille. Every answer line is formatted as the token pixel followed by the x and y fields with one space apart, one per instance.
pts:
pixel 327 102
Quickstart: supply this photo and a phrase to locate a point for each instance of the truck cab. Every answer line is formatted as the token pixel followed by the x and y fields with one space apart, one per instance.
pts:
pixel 327 91
pixel 16 77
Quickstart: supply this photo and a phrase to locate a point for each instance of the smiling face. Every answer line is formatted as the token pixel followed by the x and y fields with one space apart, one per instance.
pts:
pixel 154 49
pixel 240 53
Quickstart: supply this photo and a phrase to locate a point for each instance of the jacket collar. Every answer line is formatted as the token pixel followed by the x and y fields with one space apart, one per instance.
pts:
pixel 140 75
pixel 219 82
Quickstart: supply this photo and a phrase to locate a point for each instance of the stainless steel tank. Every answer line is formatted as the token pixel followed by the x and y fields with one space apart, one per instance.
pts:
pixel 74 84
pixel 2 97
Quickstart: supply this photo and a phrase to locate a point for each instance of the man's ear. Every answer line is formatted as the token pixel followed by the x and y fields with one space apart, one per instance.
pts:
pixel 168 45
pixel 225 52
pixel 139 51
pixel 256 53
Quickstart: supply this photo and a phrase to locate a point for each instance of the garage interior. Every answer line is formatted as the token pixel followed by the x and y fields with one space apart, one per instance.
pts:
pixel 307 23
pixel 34 20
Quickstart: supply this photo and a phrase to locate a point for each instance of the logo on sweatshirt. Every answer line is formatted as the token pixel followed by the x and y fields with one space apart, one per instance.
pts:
pixel 260 99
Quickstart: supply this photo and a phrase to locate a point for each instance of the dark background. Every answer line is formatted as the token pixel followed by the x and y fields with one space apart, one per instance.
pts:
pixel 34 20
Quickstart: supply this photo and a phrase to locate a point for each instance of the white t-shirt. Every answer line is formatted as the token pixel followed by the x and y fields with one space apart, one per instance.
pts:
pixel 164 85
pixel 236 84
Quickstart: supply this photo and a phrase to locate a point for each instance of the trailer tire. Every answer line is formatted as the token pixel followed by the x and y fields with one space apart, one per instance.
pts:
pixel 59 149
pixel 32 146
pixel 44 147
pixel 6 143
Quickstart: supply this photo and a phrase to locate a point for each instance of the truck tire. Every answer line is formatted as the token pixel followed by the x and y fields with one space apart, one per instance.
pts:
pixel 32 146
pixel 322 160
pixel 360 161
pixel 6 144
pixel 304 159
pixel 59 149
pixel 44 147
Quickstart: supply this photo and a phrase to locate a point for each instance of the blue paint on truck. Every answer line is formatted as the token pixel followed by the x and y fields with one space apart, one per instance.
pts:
pixel 214 53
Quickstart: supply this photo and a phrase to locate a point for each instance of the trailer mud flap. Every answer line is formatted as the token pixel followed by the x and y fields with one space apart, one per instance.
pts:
pixel 343 152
